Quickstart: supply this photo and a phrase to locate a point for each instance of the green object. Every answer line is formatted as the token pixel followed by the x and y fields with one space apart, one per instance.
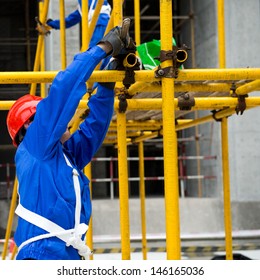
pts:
pixel 148 51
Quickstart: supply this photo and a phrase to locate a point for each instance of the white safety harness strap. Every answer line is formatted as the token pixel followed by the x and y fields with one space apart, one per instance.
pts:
pixel 72 237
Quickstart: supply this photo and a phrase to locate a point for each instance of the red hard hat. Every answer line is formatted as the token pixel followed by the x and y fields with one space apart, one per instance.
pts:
pixel 21 111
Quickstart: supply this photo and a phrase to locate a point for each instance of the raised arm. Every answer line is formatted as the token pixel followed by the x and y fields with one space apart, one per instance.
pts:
pixel 71 20
pixel 55 111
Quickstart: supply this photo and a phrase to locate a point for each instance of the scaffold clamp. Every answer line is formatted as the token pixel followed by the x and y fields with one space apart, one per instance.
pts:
pixel 129 78
pixel 186 102
pixel 167 72
pixel 241 106
pixel 178 55
pixel 123 102
pixel 214 112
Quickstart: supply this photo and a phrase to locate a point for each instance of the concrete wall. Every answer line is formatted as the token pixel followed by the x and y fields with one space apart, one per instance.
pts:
pixel 242 21
pixel 198 216
pixel 204 47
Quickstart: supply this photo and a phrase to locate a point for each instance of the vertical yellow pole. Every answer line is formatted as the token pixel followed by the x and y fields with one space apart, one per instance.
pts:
pixel 42 64
pixel 43 86
pixel 224 135
pixel 193 61
pixel 87 171
pixel 137 22
pixel 221 34
pixel 62 35
pixel 122 161
pixel 142 197
pixel 84 23
pixel 110 24
pixel 14 252
pixel 94 19
pixel 173 246
pixel 92 26
pixel 227 202
pixel 123 186
pixel 45 9
pixel 10 219
pixel 40 41
pixel 118 12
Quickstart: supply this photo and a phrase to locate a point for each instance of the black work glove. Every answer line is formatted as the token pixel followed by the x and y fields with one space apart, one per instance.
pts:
pixel 118 38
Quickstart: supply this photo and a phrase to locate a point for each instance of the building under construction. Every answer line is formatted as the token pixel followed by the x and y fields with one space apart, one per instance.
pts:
pixel 180 162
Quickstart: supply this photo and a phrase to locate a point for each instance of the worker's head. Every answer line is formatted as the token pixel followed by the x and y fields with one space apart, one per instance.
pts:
pixel 20 115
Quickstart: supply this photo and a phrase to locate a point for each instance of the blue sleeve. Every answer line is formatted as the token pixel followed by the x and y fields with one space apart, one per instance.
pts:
pixel 71 20
pixel 85 142
pixel 55 111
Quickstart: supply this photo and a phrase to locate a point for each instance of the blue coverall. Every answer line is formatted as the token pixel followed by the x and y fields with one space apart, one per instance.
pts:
pixel 45 180
pixel 75 17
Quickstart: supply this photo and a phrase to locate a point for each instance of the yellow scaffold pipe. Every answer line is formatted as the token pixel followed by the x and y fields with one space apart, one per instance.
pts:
pixel 40 42
pixel 94 18
pixel 173 245
pixel 118 12
pixel 142 197
pixel 137 22
pixel 62 36
pixel 123 186
pixel 193 123
pixel 88 173
pixel 85 37
pixel 224 137
pixel 156 87
pixel 230 74
pixel 218 116
pixel 131 123
pixel 122 161
pixel 110 24
pixel 10 219
pixel 194 87
pixel 145 136
pixel 42 60
pixel 226 189
pixel 201 103
pixel 221 34
pixel 249 87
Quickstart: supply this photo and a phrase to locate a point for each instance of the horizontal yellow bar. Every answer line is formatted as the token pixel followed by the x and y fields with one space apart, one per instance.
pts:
pixel 143 75
pixel 27 77
pixel 146 136
pixel 219 115
pixel 138 123
pixel 201 103
pixel 249 87
pixel 156 87
pixel 228 74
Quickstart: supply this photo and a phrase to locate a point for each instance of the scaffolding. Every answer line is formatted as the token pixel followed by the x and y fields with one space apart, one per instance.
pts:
pixel 155 111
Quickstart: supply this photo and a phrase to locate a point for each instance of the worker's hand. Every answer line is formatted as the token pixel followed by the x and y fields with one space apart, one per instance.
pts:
pixel 42 28
pixel 118 38
pixel 50 23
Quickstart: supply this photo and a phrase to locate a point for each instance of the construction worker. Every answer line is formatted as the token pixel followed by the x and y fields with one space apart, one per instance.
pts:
pixel 75 17
pixel 54 199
